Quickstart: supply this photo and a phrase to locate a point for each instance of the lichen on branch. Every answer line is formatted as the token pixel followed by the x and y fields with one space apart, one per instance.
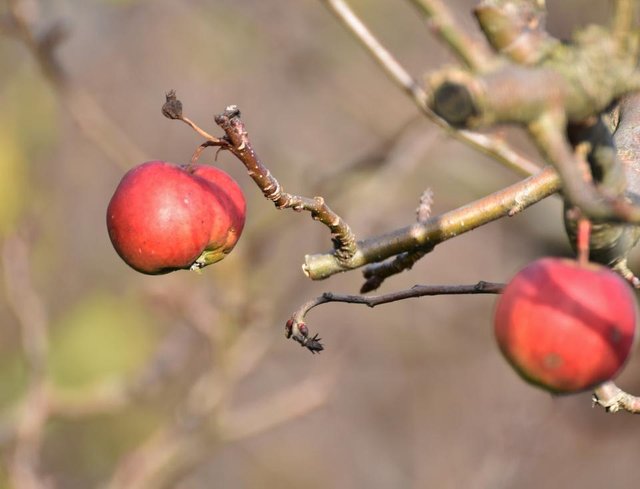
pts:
pixel 552 89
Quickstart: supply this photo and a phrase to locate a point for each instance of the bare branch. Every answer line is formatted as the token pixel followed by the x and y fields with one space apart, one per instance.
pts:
pixel 376 274
pixel 613 399
pixel 382 55
pixel 492 146
pixel 568 86
pixel 26 304
pixel 414 292
pixel 505 202
pixel 298 331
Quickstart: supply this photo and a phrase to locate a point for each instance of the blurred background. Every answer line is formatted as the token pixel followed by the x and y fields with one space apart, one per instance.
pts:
pixel 109 378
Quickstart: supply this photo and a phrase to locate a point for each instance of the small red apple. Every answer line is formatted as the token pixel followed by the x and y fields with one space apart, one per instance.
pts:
pixel 165 217
pixel 566 327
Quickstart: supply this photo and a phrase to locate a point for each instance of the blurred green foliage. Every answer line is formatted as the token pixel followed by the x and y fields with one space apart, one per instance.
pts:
pixel 72 444
pixel 29 104
pixel 102 338
pixel 13 181
pixel 26 131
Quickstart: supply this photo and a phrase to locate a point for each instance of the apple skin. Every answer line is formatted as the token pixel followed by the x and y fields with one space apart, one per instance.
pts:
pixel 566 327
pixel 165 217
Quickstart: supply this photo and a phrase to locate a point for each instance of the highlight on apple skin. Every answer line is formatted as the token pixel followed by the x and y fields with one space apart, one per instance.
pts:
pixel 566 327
pixel 165 217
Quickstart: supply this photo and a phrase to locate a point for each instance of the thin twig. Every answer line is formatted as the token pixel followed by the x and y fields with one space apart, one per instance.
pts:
pixel 382 55
pixel 492 146
pixel 376 273
pixel 83 108
pixel 141 467
pixel 298 331
pixel 26 304
pixel 207 420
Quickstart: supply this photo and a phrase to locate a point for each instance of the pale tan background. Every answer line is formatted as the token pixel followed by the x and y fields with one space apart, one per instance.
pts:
pixel 422 398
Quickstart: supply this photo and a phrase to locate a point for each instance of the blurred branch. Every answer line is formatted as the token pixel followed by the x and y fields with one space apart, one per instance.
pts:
pixel 298 331
pixel 181 455
pixel 141 467
pixel 382 55
pixel 473 54
pixel 437 229
pixel 87 113
pixel 27 306
pixel 337 181
pixel 295 401
pixel 206 418
pixel 567 84
pixel 376 273
pixel 613 399
pixel 174 450
pixel 107 398
pixel 181 444
pixel 516 29
pixel 624 18
pixel 492 146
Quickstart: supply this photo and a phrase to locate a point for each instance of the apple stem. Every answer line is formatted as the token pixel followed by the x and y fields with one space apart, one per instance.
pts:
pixel 584 234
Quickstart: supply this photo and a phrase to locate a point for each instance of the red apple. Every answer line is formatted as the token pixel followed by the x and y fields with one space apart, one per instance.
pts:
pixel 164 217
pixel 566 327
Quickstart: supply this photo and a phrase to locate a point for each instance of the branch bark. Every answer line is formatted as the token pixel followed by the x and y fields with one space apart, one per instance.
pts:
pixel 505 202
pixel 494 147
